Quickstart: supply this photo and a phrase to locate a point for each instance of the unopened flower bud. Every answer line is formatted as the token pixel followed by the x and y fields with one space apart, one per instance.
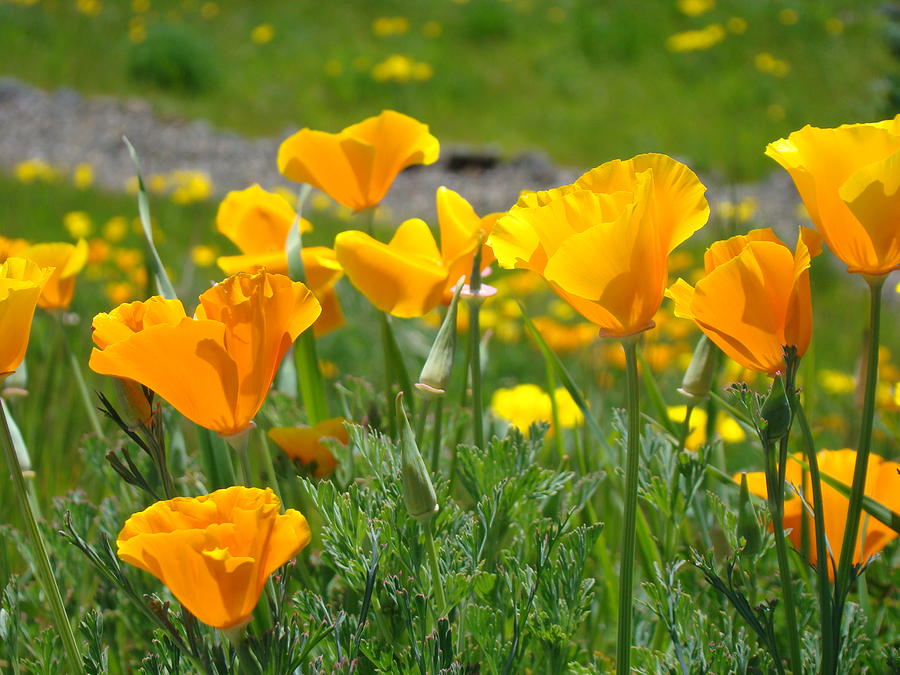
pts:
pixel 698 379
pixel 748 525
pixel 439 364
pixel 135 407
pixel 776 413
pixel 418 491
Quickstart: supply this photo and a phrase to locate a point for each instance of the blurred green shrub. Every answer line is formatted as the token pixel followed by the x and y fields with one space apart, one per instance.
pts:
pixel 174 58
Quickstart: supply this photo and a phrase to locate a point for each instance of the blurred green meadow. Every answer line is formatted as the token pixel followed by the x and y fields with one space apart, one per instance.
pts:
pixel 709 82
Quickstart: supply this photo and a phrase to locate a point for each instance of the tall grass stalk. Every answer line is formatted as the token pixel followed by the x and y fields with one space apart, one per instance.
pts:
pixel 39 550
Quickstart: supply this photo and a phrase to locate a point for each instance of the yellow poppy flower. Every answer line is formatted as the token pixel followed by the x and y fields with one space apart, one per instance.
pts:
pixel 21 282
pixel 881 485
pixel 357 165
pixel 68 260
pixel 216 368
pixel 754 298
pixel 258 222
pixel 603 242
pixel 215 552
pixel 406 277
pixel 848 178
pixel 461 232
pixel 304 444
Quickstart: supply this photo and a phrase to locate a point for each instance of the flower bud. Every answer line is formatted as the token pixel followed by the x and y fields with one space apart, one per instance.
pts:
pixel 439 364
pixel 418 492
pixel 776 413
pixel 698 379
pixel 134 406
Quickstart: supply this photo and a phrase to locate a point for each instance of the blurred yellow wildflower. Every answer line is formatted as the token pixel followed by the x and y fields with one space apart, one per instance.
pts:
pixel 384 26
pixel 788 16
pixel 119 292
pixel 729 430
pixel 137 31
pixel 262 34
pixel 736 25
pixel 432 29
pixel 526 404
pixel 557 14
pixel 766 63
pixel 696 40
pixel 834 26
pixel 776 113
pixel 209 10
pixel 32 170
pixel 333 68
pixel 140 6
pixel 83 176
pixel 836 382
pixel 78 224
pixel 190 186
pixel 203 256
pixel 401 68
pixel 695 7
pixel 89 7
pixel 116 229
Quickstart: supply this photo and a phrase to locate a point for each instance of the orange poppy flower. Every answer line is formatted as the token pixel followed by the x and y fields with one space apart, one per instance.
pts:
pixel 406 277
pixel 357 165
pixel 304 444
pixel 603 243
pixel 215 552
pixel 754 298
pixel 12 248
pixel 21 282
pixel 67 261
pixel 462 230
pixel 258 222
pixel 848 178
pixel 881 485
pixel 216 368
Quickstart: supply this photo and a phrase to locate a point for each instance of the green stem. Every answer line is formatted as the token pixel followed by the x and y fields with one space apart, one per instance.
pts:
pixel 267 464
pixel 857 490
pixel 89 408
pixel 420 423
pixel 39 550
pixel 436 439
pixel 554 413
pixel 475 351
pixel 239 442
pixel 395 364
pixel 437 583
pixel 823 585
pixel 629 525
pixel 775 490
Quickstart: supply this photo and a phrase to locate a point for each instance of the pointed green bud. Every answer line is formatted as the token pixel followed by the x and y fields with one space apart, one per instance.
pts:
pixel 418 492
pixel 699 376
pixel 776 413
pixel 436 372
pixel 748 524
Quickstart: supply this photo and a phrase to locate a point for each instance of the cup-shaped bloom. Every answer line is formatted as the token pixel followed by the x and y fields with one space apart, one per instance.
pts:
pixel 67 261
pixel 217 367
pixel 21 282
pixel 357 165
pixel 304 444
pixel 215 552
pixel 881 485
pixel 462 232
pixel 603 242
pixel 406 277
pixel 849 180
pixel 754 298
pixel 258 222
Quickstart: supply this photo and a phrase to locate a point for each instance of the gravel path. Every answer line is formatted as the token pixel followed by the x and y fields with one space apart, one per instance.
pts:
pixel 65 128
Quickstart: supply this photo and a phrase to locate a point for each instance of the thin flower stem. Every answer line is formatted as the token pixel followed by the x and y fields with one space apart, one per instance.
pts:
pixel 436 439
pixel 851 530
pixel 268 465
pixel 554 412
pixel 475 351
pixel 239 442
pixel 823 585
pixel 423 419
pixel 629 524
pixel 39 550
pixel 775 490
pixel 395 364
pixel 437 583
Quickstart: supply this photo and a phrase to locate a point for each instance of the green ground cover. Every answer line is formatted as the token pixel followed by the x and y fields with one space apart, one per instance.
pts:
pixel 583 81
